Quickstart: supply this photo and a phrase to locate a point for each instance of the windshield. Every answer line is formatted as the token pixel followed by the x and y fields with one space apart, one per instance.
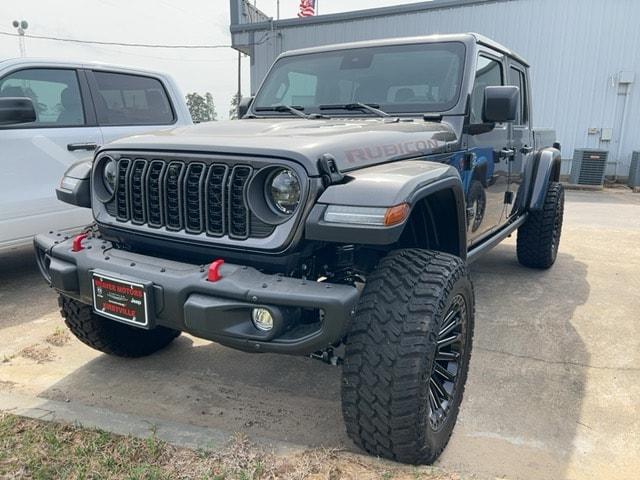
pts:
pixel 395 78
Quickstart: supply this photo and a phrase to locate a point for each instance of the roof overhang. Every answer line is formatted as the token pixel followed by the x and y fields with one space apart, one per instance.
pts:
pixel 347 16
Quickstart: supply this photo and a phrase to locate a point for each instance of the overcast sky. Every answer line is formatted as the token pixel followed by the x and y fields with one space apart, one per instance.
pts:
pixel 155 22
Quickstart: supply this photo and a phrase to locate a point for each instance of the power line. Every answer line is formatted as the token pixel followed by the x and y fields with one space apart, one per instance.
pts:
pixel 188 59
pixel 118 44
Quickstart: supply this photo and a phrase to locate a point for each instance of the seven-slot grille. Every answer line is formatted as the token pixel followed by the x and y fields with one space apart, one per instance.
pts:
pixel 186 196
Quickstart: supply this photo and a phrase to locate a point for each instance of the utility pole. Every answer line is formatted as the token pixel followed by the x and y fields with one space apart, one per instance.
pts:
pixel 239 94
pixel 21 26
pixel 278 10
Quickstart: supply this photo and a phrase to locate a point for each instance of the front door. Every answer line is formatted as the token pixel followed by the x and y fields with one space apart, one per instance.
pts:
pixel 35 156
pixel 487 176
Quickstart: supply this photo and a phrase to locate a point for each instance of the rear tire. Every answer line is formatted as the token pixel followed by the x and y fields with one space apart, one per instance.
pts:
pixel 539 237
pixel 407 356
pixel 478 201
pixel 109 336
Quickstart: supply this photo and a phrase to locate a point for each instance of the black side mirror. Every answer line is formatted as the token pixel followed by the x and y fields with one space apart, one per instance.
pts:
pixel 244 105
pixel 16 110
pixel 74 188
pixel 500 104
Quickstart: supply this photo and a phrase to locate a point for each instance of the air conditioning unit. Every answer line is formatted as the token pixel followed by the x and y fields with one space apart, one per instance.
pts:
pixel 634 171
pixel 588 167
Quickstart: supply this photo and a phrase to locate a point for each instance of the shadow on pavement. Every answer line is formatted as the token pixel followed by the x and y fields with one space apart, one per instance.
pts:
pixel 521 407
pixel 528 369
pixel 24 296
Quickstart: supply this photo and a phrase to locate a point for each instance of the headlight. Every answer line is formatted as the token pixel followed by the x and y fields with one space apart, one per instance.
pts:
pixel 283 191
pixel 376 216
pixel 109 175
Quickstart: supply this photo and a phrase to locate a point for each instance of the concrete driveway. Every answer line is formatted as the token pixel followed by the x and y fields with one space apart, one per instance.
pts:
pixel 553 391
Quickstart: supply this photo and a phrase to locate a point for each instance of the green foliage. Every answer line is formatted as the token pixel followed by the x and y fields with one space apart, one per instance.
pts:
pixel 233 109
pixel 202 108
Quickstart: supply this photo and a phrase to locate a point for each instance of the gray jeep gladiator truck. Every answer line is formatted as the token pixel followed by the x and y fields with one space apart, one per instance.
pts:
pixel 335 219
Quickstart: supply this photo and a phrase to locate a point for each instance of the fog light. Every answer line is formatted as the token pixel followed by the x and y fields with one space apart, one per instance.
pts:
pixel 262 319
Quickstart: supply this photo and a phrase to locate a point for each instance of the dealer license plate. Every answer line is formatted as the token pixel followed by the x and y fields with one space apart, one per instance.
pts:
pixel 120 299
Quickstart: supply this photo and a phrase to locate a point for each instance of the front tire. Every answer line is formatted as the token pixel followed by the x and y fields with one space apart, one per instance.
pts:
pixel 407 356
pixel 539 237
pixel 109 336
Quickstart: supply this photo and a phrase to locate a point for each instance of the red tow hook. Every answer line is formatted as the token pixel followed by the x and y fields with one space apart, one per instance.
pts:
pixel 214 271
pixel 77 242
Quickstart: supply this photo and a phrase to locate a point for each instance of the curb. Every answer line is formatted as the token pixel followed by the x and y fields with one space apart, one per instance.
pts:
pixel 177 434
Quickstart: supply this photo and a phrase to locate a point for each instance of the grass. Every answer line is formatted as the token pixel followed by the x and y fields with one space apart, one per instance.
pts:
pixel 31 449
pixel 59 338
pixel 37 353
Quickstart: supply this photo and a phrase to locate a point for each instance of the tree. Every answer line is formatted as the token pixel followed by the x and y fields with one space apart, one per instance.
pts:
pixel 233 110
pixel 202 109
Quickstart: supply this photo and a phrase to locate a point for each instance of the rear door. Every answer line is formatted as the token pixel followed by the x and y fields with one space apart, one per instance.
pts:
pixel 36 155
pixel 522 132
pixel 128 104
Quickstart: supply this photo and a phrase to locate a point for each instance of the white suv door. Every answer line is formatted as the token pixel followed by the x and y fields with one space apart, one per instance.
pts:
pixel 34 156
pixel 130 104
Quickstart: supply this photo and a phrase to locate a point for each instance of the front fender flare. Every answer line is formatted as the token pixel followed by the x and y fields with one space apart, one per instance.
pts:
pixel 387 185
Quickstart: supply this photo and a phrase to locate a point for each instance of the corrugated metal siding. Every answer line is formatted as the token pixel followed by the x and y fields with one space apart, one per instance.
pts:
pixel 576 49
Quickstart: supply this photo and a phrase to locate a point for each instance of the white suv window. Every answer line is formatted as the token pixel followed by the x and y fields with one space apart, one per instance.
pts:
pixel 55 94
pixel 124 99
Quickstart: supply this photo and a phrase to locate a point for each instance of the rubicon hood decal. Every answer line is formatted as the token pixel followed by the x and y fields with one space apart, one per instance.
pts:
pixel 354 143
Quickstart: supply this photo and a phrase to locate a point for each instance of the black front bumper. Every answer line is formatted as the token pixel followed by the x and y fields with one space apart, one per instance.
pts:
pixel 182 298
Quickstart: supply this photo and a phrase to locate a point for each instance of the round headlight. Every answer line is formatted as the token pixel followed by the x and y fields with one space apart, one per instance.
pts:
pixel 109 174
pixel 283 191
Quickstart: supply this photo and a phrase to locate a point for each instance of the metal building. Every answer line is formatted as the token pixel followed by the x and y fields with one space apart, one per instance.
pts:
pixel 583 53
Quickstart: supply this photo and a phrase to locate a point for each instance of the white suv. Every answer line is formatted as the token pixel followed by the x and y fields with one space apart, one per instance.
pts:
pixel 78 107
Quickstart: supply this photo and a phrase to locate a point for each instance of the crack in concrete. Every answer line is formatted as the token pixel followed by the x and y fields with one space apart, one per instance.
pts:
pixel 557 362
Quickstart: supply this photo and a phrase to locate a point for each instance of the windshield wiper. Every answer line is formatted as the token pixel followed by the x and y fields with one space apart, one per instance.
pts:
pixel 371 107
pixel 297 110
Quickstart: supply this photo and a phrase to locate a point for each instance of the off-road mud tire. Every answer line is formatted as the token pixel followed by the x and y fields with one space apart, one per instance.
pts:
pixel 539 237
pixel 109 336
pixel 478 198
pixel 390 355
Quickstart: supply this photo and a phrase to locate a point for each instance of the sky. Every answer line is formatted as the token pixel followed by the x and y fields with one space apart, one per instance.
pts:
pixel 151 22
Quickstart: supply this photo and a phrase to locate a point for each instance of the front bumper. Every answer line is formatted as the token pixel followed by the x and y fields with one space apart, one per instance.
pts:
pixel 182 298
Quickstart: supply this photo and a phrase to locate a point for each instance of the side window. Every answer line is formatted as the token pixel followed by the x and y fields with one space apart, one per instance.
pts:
pixel 517 78
pixel 55 94
pixel 488 73
pixel 124 99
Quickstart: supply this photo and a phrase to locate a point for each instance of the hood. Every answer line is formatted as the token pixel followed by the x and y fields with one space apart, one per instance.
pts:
pixel 354 143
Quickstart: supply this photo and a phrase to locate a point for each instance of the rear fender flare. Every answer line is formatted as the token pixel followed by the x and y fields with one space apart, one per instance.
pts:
pixel 547 169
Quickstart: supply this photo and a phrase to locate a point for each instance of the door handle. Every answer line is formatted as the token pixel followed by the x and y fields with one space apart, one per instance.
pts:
pixel 526 150
pixel 72 147
pixel 504 153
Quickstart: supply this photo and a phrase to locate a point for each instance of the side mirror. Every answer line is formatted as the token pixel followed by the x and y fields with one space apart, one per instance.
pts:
pixel 74 188
pixel 500 104
pixel 16 110
pixel 244 105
